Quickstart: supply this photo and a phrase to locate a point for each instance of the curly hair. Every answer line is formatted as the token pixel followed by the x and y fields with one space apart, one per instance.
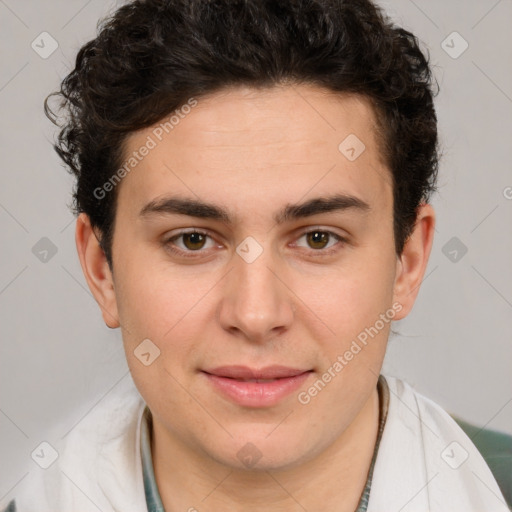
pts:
pixel 151 56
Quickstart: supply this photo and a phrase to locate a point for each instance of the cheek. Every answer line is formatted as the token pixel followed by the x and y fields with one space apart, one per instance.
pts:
pixel 358 309
pixel 152 296
pixel 355 296
pixel 164 305
pixel 164 311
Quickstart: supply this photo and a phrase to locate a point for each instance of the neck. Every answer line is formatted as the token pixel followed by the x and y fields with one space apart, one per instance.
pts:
pixel 333 480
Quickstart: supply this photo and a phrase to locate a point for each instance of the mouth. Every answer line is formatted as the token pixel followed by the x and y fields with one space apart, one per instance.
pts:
pixel 245 373
pixel 252 387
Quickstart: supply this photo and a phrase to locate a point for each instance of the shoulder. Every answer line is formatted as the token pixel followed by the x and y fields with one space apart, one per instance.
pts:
pixel 11 507
pixel 496 449
pixel 98 461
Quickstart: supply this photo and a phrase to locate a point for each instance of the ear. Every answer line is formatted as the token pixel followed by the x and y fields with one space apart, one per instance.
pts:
pixel 96 270
pixel 413 261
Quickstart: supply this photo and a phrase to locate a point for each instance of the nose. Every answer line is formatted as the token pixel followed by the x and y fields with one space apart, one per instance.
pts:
pixel 256 304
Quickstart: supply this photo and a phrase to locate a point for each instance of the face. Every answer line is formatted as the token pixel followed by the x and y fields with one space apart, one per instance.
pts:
pixel 288 265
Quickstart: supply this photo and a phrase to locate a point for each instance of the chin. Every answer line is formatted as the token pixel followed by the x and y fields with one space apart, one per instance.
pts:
pixel 261 452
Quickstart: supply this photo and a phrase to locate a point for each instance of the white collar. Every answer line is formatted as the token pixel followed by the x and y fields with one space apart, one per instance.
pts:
pixel 99 465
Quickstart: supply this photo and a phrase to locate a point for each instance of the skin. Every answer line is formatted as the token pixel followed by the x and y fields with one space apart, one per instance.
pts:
pixel 253 152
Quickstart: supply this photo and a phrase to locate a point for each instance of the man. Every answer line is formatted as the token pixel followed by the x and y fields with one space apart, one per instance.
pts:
pixel 252 189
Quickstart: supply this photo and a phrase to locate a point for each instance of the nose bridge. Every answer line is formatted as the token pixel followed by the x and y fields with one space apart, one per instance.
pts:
pixel 255 301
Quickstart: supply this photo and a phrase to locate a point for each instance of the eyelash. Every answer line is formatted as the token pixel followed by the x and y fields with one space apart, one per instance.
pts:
pixel 188 253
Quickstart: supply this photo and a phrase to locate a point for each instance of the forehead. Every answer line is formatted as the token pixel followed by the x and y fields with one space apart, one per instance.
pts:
pixel 292 115
pixel 277 141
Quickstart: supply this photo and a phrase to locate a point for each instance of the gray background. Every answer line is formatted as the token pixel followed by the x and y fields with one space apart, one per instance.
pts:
pixel 58 359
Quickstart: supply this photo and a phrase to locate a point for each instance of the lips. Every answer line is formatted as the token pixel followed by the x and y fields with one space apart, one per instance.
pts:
pixel 245 373
pixel 252 387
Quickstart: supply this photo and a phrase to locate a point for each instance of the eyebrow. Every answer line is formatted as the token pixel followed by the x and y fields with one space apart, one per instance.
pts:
pixel 203 210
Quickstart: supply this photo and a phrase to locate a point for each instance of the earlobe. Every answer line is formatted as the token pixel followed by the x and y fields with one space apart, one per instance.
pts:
pixel 413 261
pixel 96 270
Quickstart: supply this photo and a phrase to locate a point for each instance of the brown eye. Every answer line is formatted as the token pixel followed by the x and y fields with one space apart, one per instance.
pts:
pixel 318 239
pixel 189 244
pixel 321 242
pixel 193 241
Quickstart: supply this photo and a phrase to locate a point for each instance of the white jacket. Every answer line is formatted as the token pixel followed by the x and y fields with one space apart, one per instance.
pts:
pixel 425 462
